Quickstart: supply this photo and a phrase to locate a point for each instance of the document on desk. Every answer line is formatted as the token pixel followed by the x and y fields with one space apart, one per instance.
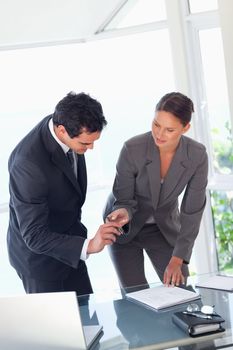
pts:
pixel 161 297
pixel 217 282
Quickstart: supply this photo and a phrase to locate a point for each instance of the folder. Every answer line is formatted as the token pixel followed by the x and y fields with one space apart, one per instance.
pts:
pixel 161 297
pixel 195 326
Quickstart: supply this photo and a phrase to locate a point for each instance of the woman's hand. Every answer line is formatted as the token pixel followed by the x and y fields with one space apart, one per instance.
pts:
pixel 173 274
pixel 119 216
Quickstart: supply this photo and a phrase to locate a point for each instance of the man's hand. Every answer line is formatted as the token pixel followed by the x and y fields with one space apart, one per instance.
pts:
pixel 173 275
pixel 105 235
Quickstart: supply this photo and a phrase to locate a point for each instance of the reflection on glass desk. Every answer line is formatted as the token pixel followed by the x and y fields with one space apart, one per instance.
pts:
pixel 128 325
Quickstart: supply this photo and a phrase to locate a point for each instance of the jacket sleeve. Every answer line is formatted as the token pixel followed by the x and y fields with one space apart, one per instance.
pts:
pixel 191 210
pixel 124 183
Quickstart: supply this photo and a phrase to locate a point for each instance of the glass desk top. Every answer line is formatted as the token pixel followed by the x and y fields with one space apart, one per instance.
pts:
pixel 129 325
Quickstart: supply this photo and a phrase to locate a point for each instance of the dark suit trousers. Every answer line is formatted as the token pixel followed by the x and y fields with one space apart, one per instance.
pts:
pixel 128 259
pixel 77 281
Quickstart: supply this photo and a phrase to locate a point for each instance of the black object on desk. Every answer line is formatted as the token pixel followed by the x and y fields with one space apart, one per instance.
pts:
pixel 197 326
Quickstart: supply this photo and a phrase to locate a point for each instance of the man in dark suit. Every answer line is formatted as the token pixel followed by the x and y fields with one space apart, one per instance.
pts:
pixel 47 242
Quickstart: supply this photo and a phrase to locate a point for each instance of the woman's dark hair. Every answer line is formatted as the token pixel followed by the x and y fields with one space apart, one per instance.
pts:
pixel 77 112
pixel 178 104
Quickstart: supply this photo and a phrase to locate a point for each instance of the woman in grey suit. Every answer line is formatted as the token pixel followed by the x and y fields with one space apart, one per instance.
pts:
pixel 154 169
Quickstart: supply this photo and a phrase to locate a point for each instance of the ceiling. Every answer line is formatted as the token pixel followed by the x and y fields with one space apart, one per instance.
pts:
pixel 27 23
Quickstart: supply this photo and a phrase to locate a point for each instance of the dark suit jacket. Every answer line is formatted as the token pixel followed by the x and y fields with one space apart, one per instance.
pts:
pixel 137 188
pixel 45 234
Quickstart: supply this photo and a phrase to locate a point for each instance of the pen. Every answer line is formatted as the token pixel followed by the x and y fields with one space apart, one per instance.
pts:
pixel 207 317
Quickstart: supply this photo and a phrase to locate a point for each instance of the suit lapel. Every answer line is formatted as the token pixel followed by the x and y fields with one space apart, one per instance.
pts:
pixel 153 170
pixel 176 171
pixel 178 167
pixel 60 160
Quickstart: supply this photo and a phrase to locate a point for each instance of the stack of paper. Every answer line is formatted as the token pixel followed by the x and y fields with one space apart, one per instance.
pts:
pixel 217 282
pixel 162 297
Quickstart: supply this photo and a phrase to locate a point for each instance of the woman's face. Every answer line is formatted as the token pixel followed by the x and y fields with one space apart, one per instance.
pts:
pixel 167 130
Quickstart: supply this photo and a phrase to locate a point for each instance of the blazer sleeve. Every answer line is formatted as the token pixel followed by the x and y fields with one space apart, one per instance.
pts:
pixel 29 192
pixel 124 183
pixel 191 210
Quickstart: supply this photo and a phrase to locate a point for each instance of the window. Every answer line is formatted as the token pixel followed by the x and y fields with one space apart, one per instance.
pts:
pixel 222 207
pixel 217 101
pixel 201 6
pixel 213 126
pixel 125 74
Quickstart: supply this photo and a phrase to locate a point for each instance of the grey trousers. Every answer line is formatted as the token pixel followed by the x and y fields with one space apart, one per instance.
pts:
pixel 128 259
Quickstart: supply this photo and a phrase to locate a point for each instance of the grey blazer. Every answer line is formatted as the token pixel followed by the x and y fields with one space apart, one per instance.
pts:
pixel 137 187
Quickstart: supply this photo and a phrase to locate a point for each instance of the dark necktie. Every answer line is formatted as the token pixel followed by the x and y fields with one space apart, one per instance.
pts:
pixel 71 160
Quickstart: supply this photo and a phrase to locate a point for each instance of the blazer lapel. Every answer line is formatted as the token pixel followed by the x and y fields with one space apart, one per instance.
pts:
pixel 176 171
pixel 153 170
pixel 59 158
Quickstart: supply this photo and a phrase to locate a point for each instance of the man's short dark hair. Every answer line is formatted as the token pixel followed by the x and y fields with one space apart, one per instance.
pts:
pixel 77 112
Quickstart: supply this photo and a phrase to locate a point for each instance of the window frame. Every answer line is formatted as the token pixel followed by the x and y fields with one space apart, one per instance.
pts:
pixel 184 28
pixel 193 23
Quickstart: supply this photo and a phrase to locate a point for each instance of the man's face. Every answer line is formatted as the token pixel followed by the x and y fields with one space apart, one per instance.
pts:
pixel 83 142
pixel 79 144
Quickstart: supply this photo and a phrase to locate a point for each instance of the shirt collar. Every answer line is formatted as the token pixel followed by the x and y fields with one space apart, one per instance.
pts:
pixel 63 146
